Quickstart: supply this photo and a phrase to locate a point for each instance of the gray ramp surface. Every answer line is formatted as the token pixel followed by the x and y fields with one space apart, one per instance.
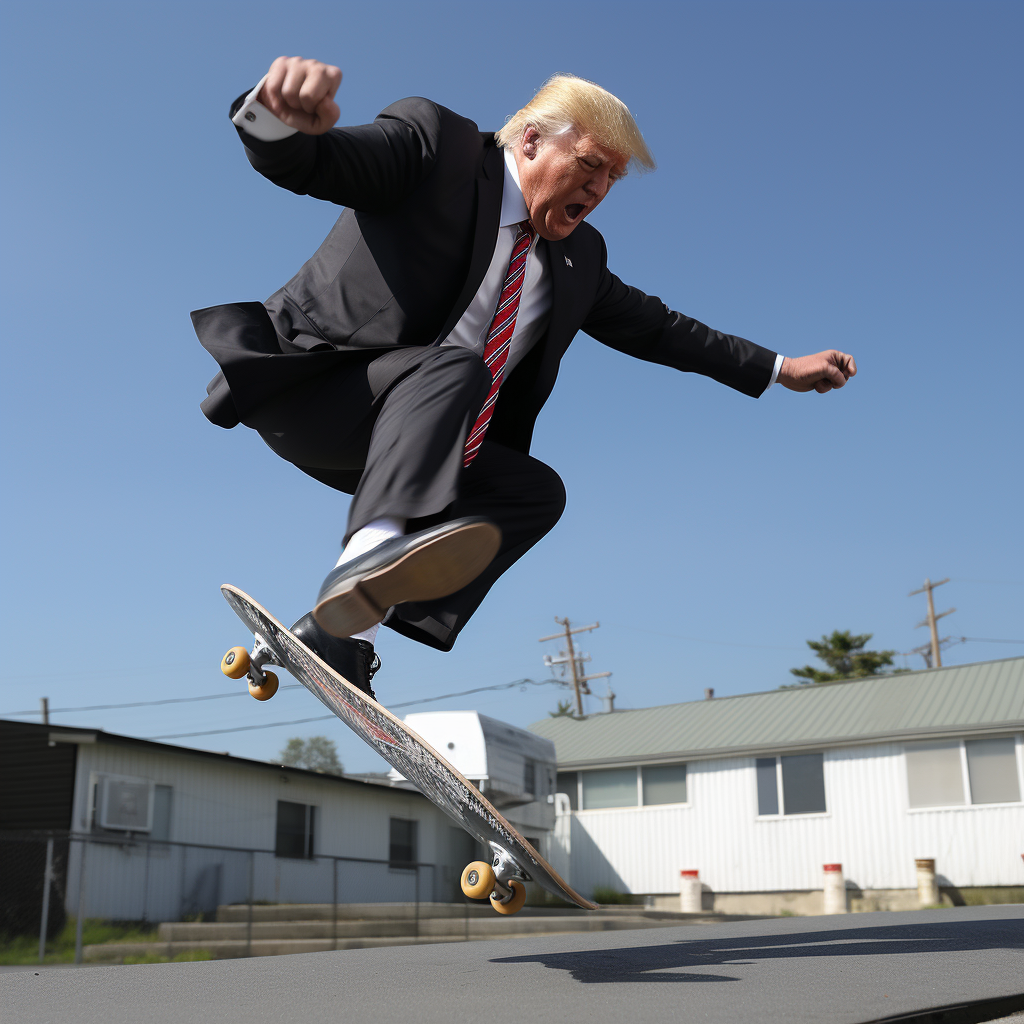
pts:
pixel 854 968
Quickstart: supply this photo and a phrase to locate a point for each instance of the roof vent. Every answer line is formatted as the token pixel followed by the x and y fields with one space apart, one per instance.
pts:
pixel 709 693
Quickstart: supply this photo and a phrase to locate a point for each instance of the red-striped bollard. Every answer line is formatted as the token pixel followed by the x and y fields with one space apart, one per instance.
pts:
pixel 689 892
pixel 834 889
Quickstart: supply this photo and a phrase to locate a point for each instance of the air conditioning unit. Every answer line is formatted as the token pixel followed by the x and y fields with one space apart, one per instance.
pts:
pixel 126 804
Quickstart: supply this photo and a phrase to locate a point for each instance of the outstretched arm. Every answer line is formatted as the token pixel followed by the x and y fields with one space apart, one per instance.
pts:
pixel 641 325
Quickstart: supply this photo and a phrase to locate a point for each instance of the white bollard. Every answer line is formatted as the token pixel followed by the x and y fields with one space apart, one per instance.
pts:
pixel 689 892
pixel 834 889
pixel 927 888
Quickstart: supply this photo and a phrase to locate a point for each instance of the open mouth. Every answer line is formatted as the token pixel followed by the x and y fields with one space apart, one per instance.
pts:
pixel 574 211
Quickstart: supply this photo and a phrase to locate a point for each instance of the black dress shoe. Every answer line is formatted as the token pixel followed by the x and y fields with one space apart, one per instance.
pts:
pixel 351 658
pixel 422 566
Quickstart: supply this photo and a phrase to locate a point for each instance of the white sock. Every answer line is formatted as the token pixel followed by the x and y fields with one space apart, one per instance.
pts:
pixel 373 533
pixel 367 634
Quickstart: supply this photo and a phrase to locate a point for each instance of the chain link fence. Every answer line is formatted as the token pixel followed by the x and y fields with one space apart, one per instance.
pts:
pixel 47 878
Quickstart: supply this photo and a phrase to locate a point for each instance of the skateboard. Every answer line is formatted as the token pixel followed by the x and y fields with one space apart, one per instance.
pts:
pixel 513 861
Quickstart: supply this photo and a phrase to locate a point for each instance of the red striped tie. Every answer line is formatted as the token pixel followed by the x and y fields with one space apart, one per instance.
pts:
pixel 503 324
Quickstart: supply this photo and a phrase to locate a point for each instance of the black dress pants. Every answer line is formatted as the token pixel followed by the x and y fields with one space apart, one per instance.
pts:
pixel 390 431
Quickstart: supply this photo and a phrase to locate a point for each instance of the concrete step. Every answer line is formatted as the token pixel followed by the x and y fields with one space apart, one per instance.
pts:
pixel 115 952
pixel 375 911
pixel 180 931
pixel 475 927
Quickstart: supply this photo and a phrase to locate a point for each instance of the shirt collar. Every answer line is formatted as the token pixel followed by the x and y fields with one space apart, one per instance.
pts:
pixel 513 205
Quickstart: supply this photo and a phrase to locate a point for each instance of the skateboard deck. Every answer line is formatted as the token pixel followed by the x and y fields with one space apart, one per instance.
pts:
pixel 513 858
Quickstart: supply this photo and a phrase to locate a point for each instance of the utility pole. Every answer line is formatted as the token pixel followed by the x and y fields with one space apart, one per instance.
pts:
pixel 44 709
pixel 935 652
pixel 574 659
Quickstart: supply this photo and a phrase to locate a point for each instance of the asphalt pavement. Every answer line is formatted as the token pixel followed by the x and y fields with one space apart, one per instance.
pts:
pixel 956 966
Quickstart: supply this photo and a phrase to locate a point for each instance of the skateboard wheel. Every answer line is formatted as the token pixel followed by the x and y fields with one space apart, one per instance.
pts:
pixel 515 904
pixel 235 663
pixel 478 880
pixel 267 690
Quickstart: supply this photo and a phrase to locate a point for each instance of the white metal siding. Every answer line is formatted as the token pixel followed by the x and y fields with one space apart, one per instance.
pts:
pixel 868 828
pixel 235 805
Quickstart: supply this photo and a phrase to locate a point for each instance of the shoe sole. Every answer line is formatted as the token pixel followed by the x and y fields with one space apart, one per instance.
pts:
pixel 438 568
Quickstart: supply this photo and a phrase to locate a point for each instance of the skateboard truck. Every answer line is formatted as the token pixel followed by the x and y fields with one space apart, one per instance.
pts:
pixel 502 881
pixel 506 870
pixel 238 662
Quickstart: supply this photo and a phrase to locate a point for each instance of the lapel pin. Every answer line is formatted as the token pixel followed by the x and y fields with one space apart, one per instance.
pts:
pixel 568 262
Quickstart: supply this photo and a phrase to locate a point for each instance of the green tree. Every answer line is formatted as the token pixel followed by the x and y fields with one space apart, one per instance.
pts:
pixel 844 654
pixel 564 710
pixel 318 754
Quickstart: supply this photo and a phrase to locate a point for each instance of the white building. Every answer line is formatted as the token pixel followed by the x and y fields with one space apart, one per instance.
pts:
pixel 169 831
pixel 759 792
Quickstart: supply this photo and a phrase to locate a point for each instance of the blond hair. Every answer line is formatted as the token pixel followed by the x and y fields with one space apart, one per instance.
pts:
pixel 565 103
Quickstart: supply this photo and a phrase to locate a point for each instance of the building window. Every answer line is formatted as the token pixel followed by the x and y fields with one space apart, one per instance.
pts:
pixel 294 830
pixel 162 798
pixel 935 776
pixel 402 849
pixel 793 784
pixel 992 770
pixel 767 786
pixel 566 782
pixel 611 787
pixel 664 784
pixel 529 778
pixel 954 773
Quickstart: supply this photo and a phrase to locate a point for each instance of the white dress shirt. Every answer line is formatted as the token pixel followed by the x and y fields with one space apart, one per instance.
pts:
pixel 535 300
pixel 472 329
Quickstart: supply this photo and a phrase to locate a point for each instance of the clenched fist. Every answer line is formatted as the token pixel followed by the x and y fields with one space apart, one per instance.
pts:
pixel 821 372
pixel 300 92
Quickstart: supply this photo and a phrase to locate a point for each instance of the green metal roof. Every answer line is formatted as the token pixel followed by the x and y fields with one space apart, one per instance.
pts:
pixel 959 701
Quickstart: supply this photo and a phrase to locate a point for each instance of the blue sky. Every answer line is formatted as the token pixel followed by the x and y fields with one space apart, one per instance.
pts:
pixel 830 175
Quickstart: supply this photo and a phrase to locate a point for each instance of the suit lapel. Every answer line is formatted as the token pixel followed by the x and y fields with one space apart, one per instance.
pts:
pixel 489 182
pixel 563 295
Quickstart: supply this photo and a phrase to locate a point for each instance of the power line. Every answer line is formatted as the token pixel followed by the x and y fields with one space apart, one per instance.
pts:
pixel 986 640
pixel 143 703
pixel 237 728
pixel 287 686
pixel 393 707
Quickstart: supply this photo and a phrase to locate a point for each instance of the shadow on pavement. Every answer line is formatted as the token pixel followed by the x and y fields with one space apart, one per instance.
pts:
pixel 653 963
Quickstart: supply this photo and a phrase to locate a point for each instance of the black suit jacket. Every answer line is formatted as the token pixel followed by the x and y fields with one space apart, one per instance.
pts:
pixel 422 190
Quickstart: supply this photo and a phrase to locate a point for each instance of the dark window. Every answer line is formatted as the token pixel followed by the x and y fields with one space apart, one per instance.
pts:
pixel 294 830
pixel 402 852
pixel 609 787
pixel 530 778
pixel 803 785
pixel 767 786
pixel 664 784
pixel 565 782
pixel 161 813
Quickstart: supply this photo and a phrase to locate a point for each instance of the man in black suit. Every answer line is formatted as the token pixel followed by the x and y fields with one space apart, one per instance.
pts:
pixel 461 265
